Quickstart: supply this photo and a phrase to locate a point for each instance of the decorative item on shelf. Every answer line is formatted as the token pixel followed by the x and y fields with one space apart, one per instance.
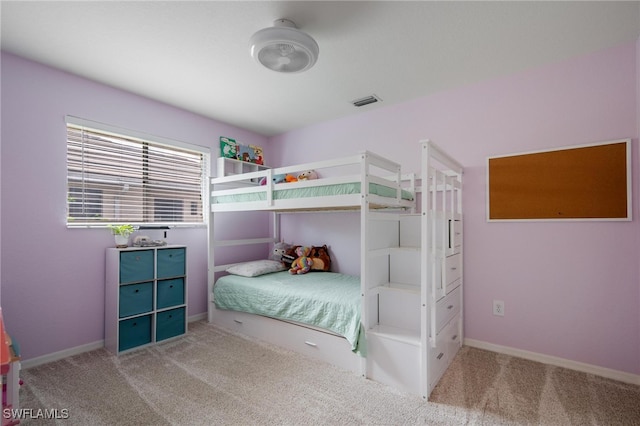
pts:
pixel 144 241
pixel 121 234
pixel 228 147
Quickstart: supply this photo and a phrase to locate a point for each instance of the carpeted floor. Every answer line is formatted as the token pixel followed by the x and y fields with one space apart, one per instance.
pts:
pixel 211 377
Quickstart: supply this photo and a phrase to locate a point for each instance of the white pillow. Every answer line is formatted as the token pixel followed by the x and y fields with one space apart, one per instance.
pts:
pixel 256 267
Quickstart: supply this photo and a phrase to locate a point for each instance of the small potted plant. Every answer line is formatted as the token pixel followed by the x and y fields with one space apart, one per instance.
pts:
pixel 121 234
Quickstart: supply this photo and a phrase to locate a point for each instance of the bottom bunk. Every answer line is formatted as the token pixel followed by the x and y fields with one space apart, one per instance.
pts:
pixel 315 314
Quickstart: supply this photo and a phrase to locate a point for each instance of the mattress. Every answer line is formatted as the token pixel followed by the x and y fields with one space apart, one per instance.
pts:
pixel 328 300
pixel 314 191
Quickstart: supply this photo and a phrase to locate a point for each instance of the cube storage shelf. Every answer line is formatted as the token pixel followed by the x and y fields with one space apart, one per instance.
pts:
pixel 145 296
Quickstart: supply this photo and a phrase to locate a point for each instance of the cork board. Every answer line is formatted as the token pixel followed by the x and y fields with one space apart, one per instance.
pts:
pixel 588 182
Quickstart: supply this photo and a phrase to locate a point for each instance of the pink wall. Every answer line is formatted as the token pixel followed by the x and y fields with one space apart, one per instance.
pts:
pixel 570 289
pixel 53 277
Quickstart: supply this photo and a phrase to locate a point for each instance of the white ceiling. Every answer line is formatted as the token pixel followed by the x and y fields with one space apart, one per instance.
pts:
pixel 195 55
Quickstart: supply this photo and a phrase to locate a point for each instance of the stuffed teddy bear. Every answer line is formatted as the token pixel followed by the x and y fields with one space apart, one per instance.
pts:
pixel 290 178
pixel 321 258
pixel 279 249
pixel 301 265
pixel 308 175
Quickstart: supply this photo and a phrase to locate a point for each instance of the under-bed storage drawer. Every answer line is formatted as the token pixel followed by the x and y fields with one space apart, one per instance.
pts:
pixel 316 344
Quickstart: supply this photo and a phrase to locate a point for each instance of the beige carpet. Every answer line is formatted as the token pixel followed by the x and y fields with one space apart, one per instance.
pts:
pixel 211 377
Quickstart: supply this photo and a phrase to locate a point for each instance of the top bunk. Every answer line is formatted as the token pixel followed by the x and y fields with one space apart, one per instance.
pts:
pixel 362 181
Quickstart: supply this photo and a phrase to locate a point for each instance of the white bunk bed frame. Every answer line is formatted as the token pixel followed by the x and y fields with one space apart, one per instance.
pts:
pixel 439 218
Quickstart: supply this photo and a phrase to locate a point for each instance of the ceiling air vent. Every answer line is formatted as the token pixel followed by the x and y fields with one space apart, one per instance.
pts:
pixel 366 101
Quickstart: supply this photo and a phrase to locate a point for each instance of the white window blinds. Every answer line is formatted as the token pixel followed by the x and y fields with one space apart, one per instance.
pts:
pixel 118 178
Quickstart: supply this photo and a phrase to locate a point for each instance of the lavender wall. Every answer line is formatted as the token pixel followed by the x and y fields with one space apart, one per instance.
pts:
pixel 571 289
pixel 53 277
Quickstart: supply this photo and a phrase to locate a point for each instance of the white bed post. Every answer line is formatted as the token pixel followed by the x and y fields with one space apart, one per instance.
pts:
pixel 427 266
pixel 210 257
pixel 364 251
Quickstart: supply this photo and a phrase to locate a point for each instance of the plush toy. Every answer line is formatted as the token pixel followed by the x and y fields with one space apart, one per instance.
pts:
pixel 321 258
pixel 275 179
pixel 308 175
pixel 289 256
pixel 301 265
pixel 290 178
pixel 279 249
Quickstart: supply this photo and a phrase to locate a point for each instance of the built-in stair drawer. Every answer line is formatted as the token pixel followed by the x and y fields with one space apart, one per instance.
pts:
pixel 170 293
pixel 447 308
pixel 455 235
pixel 135 299
pixel 447 345
pixel 452 268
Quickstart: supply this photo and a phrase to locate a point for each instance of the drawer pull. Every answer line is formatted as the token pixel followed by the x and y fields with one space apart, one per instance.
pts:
pixel 306 342
pixel 441 355
pixel 137 290
pixel 453 268
pixel 237 321
pixel 450 307
pixel 455 336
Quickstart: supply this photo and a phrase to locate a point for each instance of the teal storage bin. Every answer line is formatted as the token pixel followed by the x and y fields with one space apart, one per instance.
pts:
pixel 136 266
pixel 171 262
pixel 170 293
pixel 170 323
pixel 135 299
pixel 134 332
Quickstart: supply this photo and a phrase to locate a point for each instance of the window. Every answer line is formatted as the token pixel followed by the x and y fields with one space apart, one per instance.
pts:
pixel 117 176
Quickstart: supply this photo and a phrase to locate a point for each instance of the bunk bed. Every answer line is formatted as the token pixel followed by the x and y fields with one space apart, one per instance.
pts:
pixel 387 311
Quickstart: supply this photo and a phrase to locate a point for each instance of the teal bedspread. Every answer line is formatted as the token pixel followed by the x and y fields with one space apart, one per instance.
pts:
pixel 324 299
pixel 315 191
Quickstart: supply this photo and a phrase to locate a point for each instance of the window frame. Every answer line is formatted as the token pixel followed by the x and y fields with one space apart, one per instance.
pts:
pixel 72 121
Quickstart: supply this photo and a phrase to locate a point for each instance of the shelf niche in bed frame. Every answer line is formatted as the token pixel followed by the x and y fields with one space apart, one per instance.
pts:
pixel 231 166
pixel 585 182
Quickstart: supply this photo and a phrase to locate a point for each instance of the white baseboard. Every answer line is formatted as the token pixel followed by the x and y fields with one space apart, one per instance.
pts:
pixel 558 362
pixel 56 356
pixel 197 317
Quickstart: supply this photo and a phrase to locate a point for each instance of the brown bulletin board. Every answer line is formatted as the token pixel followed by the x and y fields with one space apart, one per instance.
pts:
pixel 587 182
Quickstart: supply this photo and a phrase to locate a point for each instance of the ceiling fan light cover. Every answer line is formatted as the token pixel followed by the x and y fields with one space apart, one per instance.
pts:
pixel 284 49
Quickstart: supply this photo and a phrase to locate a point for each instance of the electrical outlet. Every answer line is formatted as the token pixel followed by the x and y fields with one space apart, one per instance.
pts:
pixel 498 308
